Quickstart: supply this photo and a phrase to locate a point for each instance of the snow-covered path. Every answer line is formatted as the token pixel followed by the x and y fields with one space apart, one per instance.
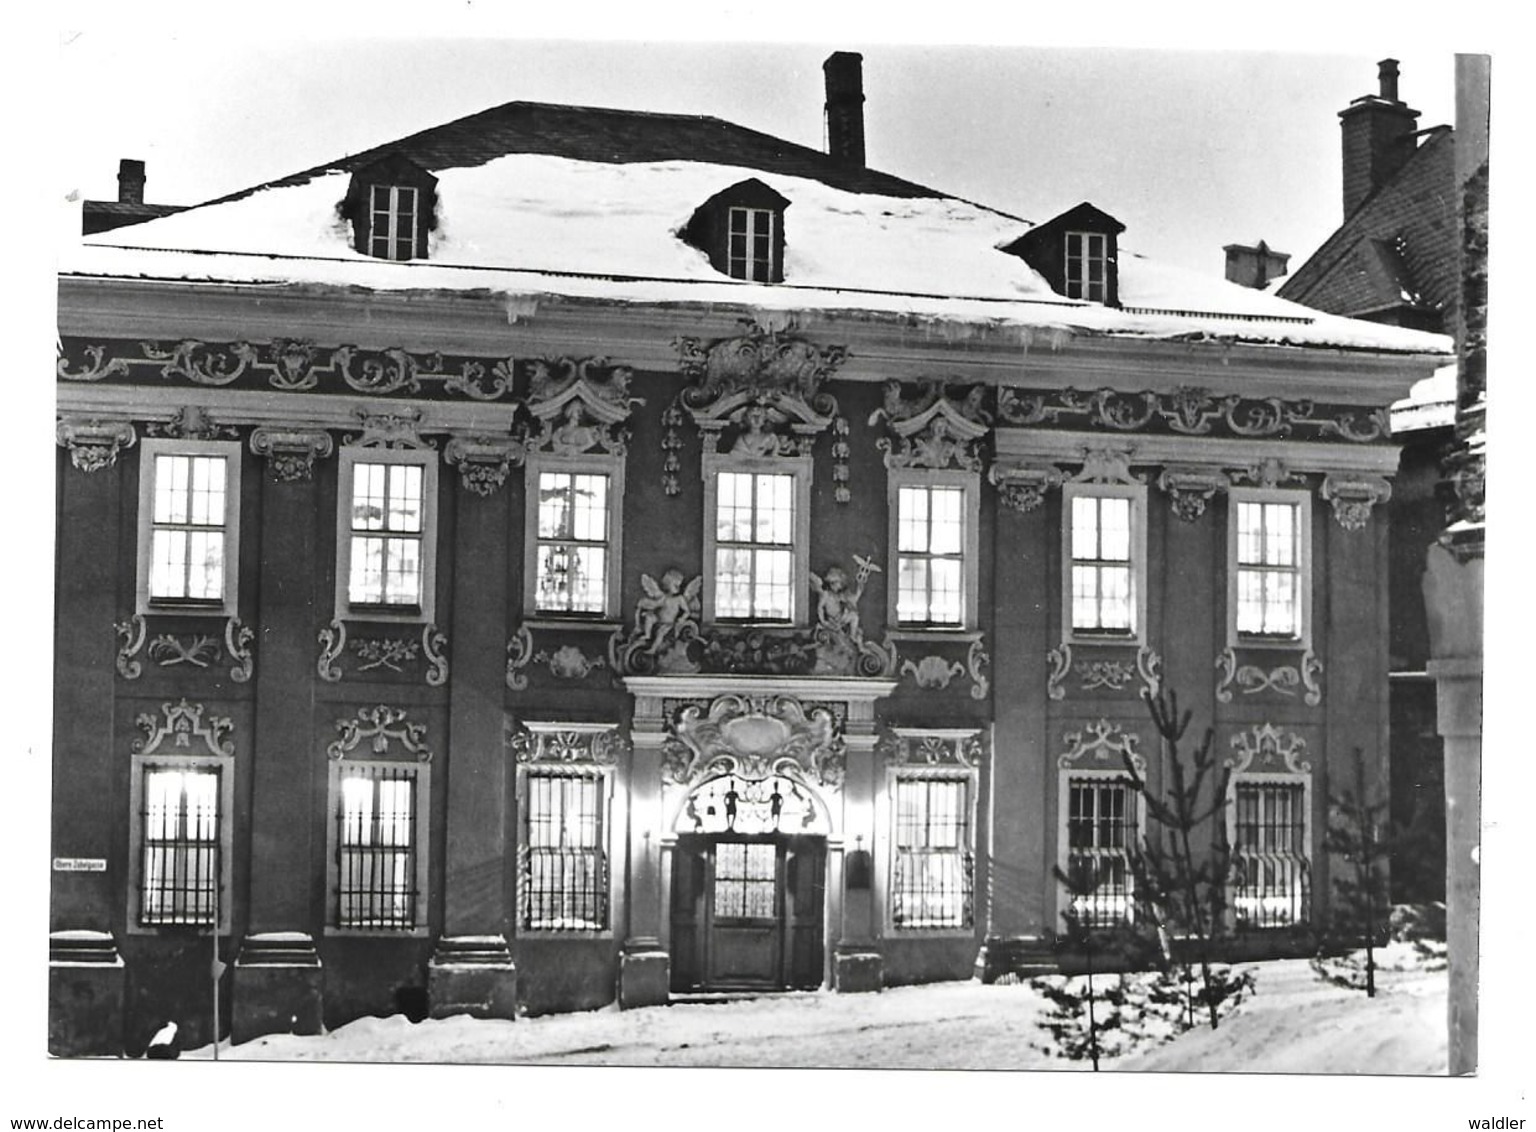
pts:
pixel 1295 1023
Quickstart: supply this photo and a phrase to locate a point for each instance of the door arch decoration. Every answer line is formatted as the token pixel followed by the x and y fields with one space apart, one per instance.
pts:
pixel 730 803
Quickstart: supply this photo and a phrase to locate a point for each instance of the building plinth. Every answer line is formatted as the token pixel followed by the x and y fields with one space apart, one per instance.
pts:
pixel 472 975
pixel 857 972
pixel 277 987
pixel 86 980
pixel 644 977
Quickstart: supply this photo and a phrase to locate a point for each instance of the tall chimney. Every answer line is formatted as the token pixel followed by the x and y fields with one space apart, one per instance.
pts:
pixel 1378 138
pixel 1255 266
pixel 844 71
pixel 130 181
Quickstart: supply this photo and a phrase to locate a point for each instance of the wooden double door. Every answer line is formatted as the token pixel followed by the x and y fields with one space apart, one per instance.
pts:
pixel 747 912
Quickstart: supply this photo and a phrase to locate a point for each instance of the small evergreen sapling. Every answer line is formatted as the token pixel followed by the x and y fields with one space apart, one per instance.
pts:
pixel 1079 881
pixel 1360 836
pixel 1179 892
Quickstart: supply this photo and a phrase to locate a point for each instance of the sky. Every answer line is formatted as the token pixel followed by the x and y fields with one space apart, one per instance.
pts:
pixel 1192 150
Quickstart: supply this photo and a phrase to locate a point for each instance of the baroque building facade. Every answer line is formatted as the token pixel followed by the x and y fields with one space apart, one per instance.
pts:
pixel 442 635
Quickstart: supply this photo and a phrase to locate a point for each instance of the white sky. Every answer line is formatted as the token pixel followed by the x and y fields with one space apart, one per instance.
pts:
pixel 1190 149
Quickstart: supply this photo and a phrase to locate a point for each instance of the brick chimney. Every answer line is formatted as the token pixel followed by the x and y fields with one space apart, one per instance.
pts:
pixel 844 71
pixel 1255 266
pixel 1378 131
pixel 130 181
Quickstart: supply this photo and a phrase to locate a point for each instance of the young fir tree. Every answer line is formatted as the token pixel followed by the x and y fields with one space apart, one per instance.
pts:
pixel 1180 891
pixel 1360 837
pixel 1079 882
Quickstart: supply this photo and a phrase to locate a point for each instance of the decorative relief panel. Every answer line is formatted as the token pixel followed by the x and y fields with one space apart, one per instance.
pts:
pixel 94 444
pixel 291 452
pixel 564 662
pixel 1190 489
pixel 386 733
pixel 1191 411
pixel 932 429
pixel 567 744
pixel 1267 748
pixel 191 422
pixel 376 656
pixel 935 672
pixel 1022 487
pixel 1104 673
pixel 1102 746
pixel 198 651
pixel 181 727
pixel 579 406
pixel 1252 678
pixel 915 747
pixel 754 737
pixel 757 394
pixel 1353 497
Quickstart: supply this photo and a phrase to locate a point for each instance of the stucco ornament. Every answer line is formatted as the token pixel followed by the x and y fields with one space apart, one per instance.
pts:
pixel 1265 747
pixel 1103 745
pixel 484 462
pixel 841 647
pixel 755 737
pixel 1353 497
pixel 291 452
pixel 1022 487
pixel 94 444
pixel 181 726
pixel 384 729
pixel 932 429
pixel 932 671
pixel 666 622
pixel 579 406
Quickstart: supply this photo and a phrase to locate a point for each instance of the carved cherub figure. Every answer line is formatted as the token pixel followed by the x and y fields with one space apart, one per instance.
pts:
pixel 665 611
pixel 837 603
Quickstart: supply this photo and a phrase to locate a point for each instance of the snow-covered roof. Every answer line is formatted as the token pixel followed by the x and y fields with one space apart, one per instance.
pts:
pixel 532 224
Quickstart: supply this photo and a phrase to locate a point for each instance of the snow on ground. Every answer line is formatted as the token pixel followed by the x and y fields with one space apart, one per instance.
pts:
pixel 1294 1023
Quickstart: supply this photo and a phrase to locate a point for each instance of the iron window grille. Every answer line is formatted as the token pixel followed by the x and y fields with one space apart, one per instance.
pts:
pixel 376 867
pixel 392 221
pixel 1269 856
pixel 749 254
pixel 564 880
pixel 933 871
pixel 573 543
pixel 746 875
pixel 180 872
pixel 1101 829
pixel 1269 570
pixel 754 546
pixel 386 563
pixel 1087 266
pixel 1103 575
pixel 930 546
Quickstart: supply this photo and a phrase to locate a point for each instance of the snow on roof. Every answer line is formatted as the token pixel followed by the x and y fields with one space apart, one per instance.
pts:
pixel 1431 403
pixel 527 225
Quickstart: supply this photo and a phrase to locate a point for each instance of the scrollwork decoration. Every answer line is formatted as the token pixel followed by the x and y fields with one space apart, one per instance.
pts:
pixel 976 659
pixel 382 727
pixel 333 640
pixel 167 651
pixel 932 671
pixel 237 642
pixel 433 642
pixel 1061 663
pixel 133 632
pixel 182 723
pixel 519 655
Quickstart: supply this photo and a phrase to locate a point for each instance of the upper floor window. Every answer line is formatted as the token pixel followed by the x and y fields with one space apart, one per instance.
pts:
pixel 756 554
pixel 189 506
pixel 387 531
pixel 378 855
pixel 933 519
pixel 1087 266
pixel 750 255
pixel 1106 560
pixel 572 535
pixel 741 230
pixel 1269 565
pixel 933 860
pixel 393 219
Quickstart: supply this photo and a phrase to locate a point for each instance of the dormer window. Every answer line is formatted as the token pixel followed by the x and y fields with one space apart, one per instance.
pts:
pixel 392 213
pixel 750 255
pixel 1087 266
pixel 1077 253
pixel 392 206
pixel 741 230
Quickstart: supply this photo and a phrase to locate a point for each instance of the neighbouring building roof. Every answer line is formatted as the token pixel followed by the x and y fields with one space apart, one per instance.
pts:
pixel 1394 258
pixel 537 200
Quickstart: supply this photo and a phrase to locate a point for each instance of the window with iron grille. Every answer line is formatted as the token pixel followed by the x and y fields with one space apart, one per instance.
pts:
pixel 749 254
pixel 755 528
pixel 745 881
pixel 1087 265
pixel 1269 554
pixel 180 839
pixel 1269 854
pixel 1103 546
pixel 573 541
pixel 1101 830
pixel 188 526
pixel 385 534
pixel 933 866
pixel 564 879
pixel 393 216
pixel 377 878
pixel 930 555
